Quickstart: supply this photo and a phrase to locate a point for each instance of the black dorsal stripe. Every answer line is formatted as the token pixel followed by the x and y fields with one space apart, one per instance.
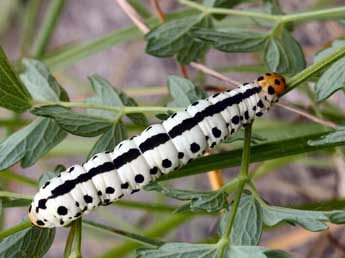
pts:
pixel 154 141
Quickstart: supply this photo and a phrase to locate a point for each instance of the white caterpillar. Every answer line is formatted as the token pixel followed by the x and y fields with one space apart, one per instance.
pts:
pixel 159 149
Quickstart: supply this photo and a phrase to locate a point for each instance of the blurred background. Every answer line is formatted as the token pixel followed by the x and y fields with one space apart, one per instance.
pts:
pixel 128 67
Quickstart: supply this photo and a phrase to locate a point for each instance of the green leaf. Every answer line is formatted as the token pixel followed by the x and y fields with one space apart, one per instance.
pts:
pixel 10 202
pixel 183 92
pixel 310 220
pixel 254 252
pixel 105 95
pixel 173 38
pixel 40 83
pixel 199 201
pixel 179 250
pixel 77 123
pixel 109 139
pixel 337 136
pixel 333 79
pixel 13 94
pixel 239 136
pixel 232 39
pixel 284 55
pixel 247 227
pixel 30 143
pixel 164 116
pixel 30 242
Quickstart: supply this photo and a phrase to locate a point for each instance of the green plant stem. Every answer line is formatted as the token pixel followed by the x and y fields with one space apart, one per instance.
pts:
pixel 69 242
pixel 152 207
pixel 78 229
pixel 28 25
pixel 157 230
pixel 130 236
pixel 8 175
pixel 297 17
pixel 314 68
pixel 225 239
pixel 15 195
pixel 121 109
pixel 213 10
pixel 19 227
pixel 48 25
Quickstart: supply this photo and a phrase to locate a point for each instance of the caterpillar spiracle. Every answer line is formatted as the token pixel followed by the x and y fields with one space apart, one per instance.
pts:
pixel 158 150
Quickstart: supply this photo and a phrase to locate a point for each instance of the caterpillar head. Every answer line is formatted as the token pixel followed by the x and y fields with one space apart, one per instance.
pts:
pixel 272 83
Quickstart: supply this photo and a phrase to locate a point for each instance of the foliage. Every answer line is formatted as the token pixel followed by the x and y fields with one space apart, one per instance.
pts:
pixel 188 34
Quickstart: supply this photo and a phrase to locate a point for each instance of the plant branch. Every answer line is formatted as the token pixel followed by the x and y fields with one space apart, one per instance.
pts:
pixel 9 175
pixel 69 242
pixel 307 115
pixel 225 239
pixel 121 109
pixel 48 26
pixel 314 68
pixel 19 227
pixel 15 195
pixel 124 234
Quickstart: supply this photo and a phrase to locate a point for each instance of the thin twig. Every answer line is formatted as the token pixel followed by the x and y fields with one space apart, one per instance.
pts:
pixel 215 74
pixel 159 11
pixel 133 15
pixel 307 115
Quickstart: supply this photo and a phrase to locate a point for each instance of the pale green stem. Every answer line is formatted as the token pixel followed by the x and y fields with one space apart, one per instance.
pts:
pixel 121 109
pixel 225 239
pixel 19 227
pixel 15 195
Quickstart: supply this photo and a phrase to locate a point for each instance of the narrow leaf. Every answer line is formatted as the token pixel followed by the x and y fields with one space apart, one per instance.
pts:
pixel 254 252
pixel 75 122
pixel 13 94
pixel 30 242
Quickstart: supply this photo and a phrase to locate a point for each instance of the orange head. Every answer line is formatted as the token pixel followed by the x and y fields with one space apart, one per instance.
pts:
pixel 272 83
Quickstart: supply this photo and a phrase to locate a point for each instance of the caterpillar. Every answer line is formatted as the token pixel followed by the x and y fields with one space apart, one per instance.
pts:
pixel 158 150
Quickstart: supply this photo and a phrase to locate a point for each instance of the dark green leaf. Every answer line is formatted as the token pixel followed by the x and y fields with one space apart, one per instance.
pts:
pixel 232 40
pixel 284 55
pixel 310 220
pixel 173 38
pixel 9 202
pixel 277 254
pixel 180 250
pixel 30 242
pixel 199 201
pixel 40 83
pixel 74 122
pixel 333 78
pixel 30 143
pixel 183 91
pixel 254 252
pixel 109 139
pixel 13 94
pixel 247 227
pixel 337 136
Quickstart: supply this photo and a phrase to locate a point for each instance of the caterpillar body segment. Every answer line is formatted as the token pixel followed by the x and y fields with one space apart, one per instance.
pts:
pixel 158 150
